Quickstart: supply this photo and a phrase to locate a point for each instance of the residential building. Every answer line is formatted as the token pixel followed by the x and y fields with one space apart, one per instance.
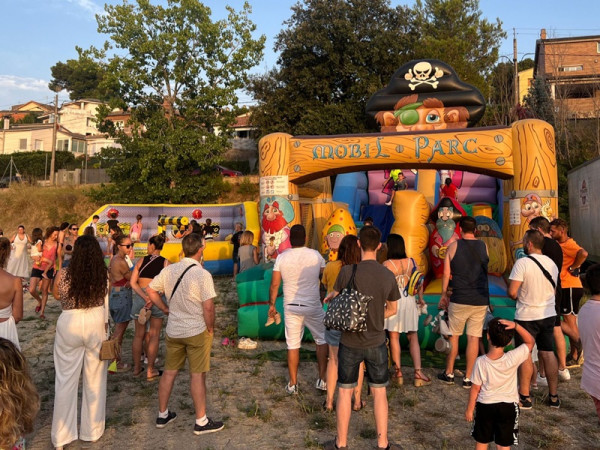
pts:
pixel 244 145
pixel 525 81
pixel 19 112
pixel 571 69
pixel 38 137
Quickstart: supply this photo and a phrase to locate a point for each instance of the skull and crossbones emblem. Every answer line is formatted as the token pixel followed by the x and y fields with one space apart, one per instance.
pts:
pixel 423 73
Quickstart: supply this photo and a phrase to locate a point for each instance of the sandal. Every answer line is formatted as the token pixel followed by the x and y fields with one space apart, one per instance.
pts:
pixel 326 409
pixel 525 401
pixel 362 405
pixel 42 316
pixel 156 376
pixel 397 377
pixel 421 379
pixel 137 374
pixel 38 308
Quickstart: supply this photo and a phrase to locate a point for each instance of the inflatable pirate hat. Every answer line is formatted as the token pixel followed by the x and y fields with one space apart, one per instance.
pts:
pixel 427 83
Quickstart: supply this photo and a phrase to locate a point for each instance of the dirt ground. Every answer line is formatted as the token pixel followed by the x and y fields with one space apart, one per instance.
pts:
pixel 246 391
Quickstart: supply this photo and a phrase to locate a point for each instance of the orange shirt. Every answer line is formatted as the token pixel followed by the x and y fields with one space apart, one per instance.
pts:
pixel 569 249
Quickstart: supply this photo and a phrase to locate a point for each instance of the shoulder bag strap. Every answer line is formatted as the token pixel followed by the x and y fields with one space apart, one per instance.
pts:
pixel 351 283
pixel 544 271
pixel 179 281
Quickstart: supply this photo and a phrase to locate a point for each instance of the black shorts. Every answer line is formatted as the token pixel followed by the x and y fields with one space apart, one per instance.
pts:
pixel 37 273
pixel 496 422
pixel 376 363
pixel 542 331
pixel 569 300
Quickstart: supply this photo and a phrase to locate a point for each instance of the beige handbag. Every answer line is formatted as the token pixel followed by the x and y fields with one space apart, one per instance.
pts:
pixel 110 349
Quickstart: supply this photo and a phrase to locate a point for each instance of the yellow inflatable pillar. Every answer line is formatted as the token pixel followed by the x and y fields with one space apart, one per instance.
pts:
pixel 426 184
pixel 276 192
pixel 533 191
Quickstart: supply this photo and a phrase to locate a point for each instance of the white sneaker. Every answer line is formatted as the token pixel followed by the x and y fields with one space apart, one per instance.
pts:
pixel 388 203
pixel 321 385
pixel 541 381
pixel 564 375
pixel 247 344
pixel 291 390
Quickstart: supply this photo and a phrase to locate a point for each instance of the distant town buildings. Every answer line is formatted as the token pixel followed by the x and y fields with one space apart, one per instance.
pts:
pixel 77 130
pixel 571 69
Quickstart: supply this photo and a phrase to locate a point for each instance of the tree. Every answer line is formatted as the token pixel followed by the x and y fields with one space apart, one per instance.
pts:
pixel 83 77
pixel 501 99
pixel 179 72
pixel 334 54
pixel 454 32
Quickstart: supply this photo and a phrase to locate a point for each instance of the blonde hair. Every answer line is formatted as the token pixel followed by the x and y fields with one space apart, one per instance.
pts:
pixel 247 238
pixel 19 400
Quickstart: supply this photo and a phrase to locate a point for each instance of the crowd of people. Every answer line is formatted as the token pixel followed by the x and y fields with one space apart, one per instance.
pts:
pixel 545 285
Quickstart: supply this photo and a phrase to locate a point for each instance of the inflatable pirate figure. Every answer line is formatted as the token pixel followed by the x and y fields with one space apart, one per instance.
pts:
pixel 446 215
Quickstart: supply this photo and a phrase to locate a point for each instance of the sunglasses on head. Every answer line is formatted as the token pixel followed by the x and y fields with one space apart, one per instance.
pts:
pixel 126 245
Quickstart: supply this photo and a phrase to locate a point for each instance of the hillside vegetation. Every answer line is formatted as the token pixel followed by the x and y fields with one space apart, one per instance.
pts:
pixel 35 206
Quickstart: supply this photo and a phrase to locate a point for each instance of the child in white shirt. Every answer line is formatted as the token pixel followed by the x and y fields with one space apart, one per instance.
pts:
pixel 494 399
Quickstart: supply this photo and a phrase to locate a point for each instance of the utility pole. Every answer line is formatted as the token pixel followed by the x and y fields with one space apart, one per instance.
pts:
pixel 516 76
pixel 54 130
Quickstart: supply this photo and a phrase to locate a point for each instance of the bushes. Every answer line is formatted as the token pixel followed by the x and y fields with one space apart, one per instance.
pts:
pixel 34 165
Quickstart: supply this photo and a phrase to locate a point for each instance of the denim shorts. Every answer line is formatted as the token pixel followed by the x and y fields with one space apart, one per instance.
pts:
pixel 138 303
pixel 332 337
pixel 376 362
pixel 120 304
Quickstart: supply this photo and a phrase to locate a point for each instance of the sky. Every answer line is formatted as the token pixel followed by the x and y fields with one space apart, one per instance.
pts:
pixel 35 34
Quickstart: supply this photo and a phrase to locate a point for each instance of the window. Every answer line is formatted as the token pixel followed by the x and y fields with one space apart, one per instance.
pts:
pixel 62 145
pixel 38 144
pixel 22 144
pixel 78 146
pixel 597 47
pixel 119 124
pixel 570 68
pixel 91 122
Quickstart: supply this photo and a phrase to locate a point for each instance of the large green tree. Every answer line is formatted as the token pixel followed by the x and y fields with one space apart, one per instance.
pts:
pixel 455 32
pixel 84 77
pixel 179 71
pixel 334 54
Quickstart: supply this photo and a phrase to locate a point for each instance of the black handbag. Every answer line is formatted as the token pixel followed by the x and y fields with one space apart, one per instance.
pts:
pixel 348 310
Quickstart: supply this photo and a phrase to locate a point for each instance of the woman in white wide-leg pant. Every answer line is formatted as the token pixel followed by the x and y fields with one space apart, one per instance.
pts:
pixel 79 336
pixel 82 290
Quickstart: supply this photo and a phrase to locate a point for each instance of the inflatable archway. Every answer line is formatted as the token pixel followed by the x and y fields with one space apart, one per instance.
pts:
pixel 424 113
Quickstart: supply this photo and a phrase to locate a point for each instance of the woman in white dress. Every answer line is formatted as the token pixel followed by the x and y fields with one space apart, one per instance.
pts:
pixel 11 297
pixel 406 319
pixel 18 264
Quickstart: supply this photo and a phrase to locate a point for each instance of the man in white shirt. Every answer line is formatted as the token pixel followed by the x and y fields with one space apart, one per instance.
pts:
pixel 300 268
pixel 190 291
pixel 533 284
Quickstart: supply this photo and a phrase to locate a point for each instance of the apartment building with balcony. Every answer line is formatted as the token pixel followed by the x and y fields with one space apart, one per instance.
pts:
pixel 570 67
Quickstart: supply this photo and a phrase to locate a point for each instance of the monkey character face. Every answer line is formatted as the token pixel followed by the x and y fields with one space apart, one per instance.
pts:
pixel 531 207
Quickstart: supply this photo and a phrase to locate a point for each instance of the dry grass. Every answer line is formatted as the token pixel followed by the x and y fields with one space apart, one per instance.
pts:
pixel 35 206
pixel 247 393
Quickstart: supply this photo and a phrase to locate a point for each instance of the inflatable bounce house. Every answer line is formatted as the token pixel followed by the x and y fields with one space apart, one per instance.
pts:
pixel 503 176
pixel 173 220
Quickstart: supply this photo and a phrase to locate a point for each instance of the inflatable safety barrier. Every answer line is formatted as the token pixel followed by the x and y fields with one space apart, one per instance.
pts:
pixel 173 220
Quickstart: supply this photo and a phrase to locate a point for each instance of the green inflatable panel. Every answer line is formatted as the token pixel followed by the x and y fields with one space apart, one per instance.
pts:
pixel 252 319
pixel 253 284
